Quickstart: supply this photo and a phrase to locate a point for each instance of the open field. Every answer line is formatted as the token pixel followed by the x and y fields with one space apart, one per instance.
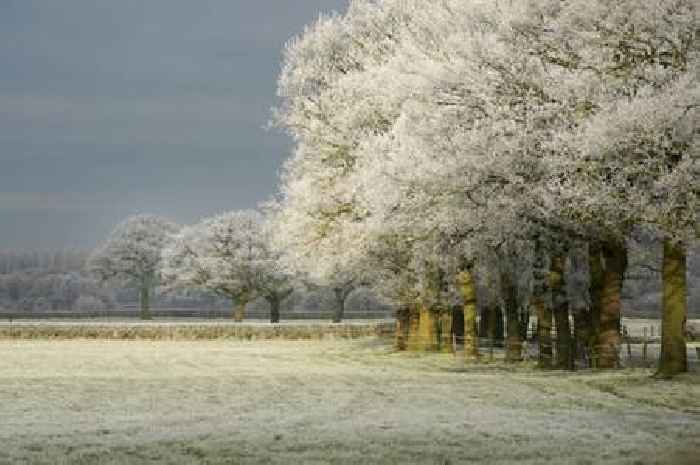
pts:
pixel 274 402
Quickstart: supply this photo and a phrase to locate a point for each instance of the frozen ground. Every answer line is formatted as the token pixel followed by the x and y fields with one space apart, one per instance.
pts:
pixel 276 402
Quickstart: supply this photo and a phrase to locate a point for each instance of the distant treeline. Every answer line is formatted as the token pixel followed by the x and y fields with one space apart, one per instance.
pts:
pixel 39 283
pixel 63 260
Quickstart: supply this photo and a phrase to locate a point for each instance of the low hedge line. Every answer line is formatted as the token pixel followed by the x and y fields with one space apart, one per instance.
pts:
pixel 194 331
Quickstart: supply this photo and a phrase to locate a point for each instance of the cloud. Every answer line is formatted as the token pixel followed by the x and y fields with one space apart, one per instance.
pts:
pixel 110 108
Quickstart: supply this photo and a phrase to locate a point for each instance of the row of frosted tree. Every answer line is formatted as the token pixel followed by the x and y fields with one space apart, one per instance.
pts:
pixel 521 146
pixel 440 143
pixel 232 255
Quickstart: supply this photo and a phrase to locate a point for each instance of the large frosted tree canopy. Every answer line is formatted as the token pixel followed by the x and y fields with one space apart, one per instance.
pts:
pixel 435 131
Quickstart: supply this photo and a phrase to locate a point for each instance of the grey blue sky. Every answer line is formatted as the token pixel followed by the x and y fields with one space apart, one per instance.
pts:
pixel 114 107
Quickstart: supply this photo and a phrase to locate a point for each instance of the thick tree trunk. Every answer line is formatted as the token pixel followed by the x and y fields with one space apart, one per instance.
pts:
pixel 413 343
pixel 544 332
pixel 427 334
pixel 499 325
pixel 445 331
pixel 595 267
pixel 401 334
pixel 674 357
pixel 560 304
pixel 615 257
pixel 514 342
pixel 582 331
pixel 490 324
pixel 458 324
pixel 145 301
pixel 274 310
pixel 339 306
pixel 544 312
pixel 239 310
pixel 465 282
pixel 524 322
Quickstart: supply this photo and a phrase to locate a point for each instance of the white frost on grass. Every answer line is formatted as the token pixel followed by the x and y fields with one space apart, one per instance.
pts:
pixel 114 402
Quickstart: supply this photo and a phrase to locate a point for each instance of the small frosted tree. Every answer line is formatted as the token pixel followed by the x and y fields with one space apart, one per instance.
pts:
pixel 230 255
pixel 131 256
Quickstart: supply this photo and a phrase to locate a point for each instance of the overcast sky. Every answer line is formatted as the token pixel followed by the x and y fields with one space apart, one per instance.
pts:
pixel 114 107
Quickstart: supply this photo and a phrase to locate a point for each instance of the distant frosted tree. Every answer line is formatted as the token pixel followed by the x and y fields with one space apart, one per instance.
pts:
pixel 230 255
pixel 131 255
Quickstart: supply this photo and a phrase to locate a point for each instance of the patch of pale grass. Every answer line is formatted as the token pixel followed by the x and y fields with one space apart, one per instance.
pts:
pixel 281 402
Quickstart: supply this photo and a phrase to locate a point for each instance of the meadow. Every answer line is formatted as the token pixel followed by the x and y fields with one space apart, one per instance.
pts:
pixel 327 401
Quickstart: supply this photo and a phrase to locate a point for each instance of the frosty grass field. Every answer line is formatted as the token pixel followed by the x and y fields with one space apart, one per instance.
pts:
pixel 285 402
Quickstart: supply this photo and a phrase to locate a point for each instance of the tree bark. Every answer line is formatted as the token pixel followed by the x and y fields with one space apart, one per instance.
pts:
pixel 465 283
pixel 582 331
pixel 514 342
pixel 445 331
pixel 615 257
pixel 560 306
pixel 595 270
pixel 274 310
pixel 427 333
pixel 492 314
pixel 239 310
pixel 145 302
pixel 544 312
pixel 339 312
pixel 413 340
pixel 674 357
pixel 544 332
pixel 458 324
pixel 401 335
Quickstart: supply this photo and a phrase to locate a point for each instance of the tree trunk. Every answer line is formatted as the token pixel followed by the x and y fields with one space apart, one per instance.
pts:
pixel 524 322
pixel 340 306
pixel 427 323
pixel 413 340
pixel 595 267
pixel 544 332
pixel 514 342
pixel 499 325
pixel 458 324
pixel 465 282
pixel 544 312
pixel 582 331
pixel 560 303
pixel 274 310
pixel 615 258
pixel 145 301
pixel 239 310
pixel 483 323
pixel 401 335
pixel 445 331
pixel 674 357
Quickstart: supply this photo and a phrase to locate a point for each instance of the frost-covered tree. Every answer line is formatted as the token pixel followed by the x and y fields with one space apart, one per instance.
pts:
pixel 131 255
pixel 629 70
pixel 230 255
pixel 465 125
